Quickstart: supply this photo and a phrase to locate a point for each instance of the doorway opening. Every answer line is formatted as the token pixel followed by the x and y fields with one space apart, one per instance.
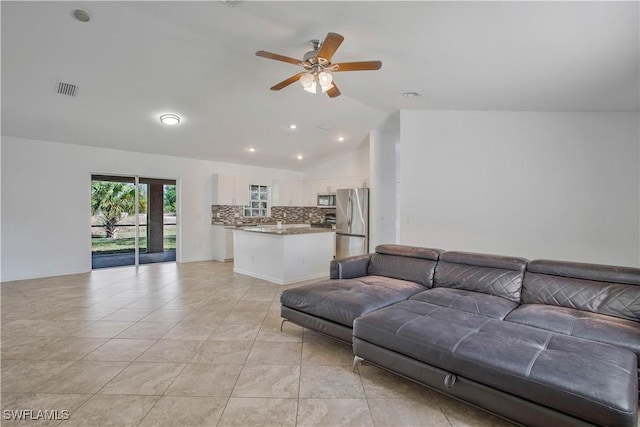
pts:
pixel 133 220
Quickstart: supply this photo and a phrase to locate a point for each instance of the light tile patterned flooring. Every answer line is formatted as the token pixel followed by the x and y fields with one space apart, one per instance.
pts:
pixel 190 345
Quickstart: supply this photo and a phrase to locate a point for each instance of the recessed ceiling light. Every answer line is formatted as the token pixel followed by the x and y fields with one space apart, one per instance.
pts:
pixel 252 149
pixel 292 126
pixel 299 156
pixel 341 138
pixel 81 15
pixel 169 119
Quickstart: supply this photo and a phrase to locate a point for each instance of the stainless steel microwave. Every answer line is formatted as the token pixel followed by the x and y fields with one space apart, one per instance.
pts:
pixel 326 201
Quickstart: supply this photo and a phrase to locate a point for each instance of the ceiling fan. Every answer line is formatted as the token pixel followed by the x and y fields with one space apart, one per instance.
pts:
pixel 316 77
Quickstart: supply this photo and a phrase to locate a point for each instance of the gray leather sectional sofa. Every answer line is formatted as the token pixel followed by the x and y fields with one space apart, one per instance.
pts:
pixel 537 342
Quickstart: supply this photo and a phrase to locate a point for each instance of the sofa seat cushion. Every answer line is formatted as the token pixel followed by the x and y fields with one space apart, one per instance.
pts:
pixel 589 380
pixel 343 300
pixel 578 323
pixel 471 302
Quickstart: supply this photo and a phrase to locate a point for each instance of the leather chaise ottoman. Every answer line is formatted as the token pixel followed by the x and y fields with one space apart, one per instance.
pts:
pixel 591 381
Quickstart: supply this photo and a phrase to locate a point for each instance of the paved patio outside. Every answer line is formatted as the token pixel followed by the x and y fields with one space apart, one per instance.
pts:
pixel 117 260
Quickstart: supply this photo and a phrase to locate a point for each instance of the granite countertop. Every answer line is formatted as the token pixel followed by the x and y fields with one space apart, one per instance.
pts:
pixel 286 231
pixel 242 224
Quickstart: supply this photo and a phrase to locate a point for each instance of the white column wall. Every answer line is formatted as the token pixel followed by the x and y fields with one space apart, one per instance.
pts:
pixel 46 190
pixel 532 184
pixel 382 205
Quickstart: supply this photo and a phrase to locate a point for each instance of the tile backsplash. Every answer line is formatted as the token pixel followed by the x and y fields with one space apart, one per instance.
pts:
pixel 286 214
pixel 297 214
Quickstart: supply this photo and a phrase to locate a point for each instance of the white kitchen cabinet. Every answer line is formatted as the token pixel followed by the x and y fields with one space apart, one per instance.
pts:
pixel 285 192
pixel 230 190
pixel 306 194
pixel 222 243
pixel 283 258
pixel 311 190
pixel 314 187
pixel 354 182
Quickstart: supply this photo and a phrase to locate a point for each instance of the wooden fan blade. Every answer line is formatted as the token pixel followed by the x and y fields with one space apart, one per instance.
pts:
pixel 287 82
pixel 334 91
pixel 330 45
pixel 359 66
pixel 277 57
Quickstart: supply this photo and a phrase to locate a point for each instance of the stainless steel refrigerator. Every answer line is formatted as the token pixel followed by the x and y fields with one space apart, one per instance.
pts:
pixel 352 222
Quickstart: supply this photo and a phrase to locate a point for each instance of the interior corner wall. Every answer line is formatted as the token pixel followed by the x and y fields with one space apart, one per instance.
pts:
pixel 532 184
pixel 46 190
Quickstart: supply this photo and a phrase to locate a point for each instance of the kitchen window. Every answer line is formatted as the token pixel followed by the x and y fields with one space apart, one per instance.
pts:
pixel 258 201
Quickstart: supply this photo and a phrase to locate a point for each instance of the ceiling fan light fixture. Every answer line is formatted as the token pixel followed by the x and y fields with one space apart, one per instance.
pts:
pixel 325 79
pixel 307 80
pixel 312 88
pixel 310 83
pixel 317 83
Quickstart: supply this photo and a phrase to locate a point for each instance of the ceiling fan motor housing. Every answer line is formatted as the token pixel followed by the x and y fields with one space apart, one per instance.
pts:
pixel 312 56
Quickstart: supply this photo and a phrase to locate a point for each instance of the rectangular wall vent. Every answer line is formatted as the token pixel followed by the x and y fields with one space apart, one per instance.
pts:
pixel 67 89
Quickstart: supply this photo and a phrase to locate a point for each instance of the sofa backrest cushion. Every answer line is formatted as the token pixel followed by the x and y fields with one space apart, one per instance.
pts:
pixel 405 263
pixel 496 275
pixel 604 289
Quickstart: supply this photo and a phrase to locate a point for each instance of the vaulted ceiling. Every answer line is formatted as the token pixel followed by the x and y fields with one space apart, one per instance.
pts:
pixel 137 60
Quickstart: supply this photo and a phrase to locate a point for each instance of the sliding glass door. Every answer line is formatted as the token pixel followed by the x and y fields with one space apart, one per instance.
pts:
pixel 158 232
pixel 133 220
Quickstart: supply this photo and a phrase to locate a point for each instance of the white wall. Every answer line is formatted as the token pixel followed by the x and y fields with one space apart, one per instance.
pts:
pixel 348 170
pixel 538 185
pixel 350 167
pixel 383 170
pixel 46 202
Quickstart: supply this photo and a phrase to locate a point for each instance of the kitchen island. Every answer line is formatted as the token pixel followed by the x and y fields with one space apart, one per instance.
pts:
pixel 283 255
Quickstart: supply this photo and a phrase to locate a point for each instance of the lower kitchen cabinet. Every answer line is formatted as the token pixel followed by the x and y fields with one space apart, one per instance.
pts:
pixel 223 243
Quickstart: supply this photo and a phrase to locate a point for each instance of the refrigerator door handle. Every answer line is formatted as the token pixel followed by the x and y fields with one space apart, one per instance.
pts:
pixel 349 212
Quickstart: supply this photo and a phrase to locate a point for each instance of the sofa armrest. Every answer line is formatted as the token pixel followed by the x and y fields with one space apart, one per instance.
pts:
pixel 348 268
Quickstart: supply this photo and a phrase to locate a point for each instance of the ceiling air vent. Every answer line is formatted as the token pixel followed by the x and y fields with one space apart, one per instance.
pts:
pixel 327 126
pixel 411 94
pixel 67 89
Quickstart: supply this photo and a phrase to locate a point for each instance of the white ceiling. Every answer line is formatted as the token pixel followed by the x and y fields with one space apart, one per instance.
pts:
pixel 137 60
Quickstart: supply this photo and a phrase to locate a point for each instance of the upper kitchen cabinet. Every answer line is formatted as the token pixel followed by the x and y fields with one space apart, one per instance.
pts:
pixel 353 182
pixel 286 192
pixel 230 190
pixel 313 188
pixel 310 193
pixel 329 186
